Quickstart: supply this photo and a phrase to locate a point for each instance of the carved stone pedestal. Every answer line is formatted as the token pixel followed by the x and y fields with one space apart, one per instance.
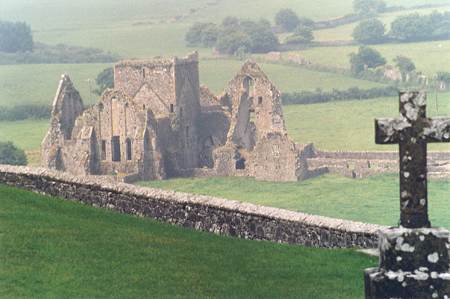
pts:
pixel 414 263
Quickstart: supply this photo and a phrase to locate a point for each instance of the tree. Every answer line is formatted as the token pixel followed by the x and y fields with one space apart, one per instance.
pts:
pixel 366 58
pixel 202 34
pixel 104 80
pixel 232 41
pixel 405 65
pixel 261 37
pixel 415 27
pixel 368 7
pixel 369 31
pixel 302 35
pixel 209 35
pixel 245 36
pixel 11 155
pixel 287 19
pixel 15 37
pixel 410 28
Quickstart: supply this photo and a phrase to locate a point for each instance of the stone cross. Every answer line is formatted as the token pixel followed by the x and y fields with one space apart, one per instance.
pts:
pixel 412 131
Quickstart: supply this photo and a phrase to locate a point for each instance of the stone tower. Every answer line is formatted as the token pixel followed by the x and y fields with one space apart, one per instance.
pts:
pixel 170 88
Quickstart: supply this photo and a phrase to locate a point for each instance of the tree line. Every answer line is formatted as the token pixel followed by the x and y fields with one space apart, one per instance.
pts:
pixel 407 28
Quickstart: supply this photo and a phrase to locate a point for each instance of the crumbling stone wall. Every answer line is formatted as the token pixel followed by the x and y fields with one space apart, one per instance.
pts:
pixel 216 215
pixel 275 156
pixel 257 144
pixel 364 164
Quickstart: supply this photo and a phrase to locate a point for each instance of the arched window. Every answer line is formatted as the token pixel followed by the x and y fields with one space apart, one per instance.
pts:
pixel 115 148
pixel 129 149
pixel 248 84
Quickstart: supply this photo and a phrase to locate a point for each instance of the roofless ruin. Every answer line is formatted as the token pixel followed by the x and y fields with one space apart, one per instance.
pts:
pixel 158 122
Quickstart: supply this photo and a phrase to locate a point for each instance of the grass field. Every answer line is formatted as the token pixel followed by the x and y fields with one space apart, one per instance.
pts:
pixel 144 29
pixel 50 248
pixel 370 200
pixel 37 83
pixel 345 32
pixel 349 125
pixel 429 57
pixel 21 84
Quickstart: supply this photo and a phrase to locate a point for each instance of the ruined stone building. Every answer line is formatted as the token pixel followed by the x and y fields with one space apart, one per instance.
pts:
pixel 158 122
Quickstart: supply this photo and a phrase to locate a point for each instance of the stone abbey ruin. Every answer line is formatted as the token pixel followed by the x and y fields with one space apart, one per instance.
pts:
pixel 158 122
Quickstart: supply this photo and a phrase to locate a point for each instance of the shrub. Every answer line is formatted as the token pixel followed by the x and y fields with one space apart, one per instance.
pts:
pixel 15 37
pixel 234 36
pixel 405 65
pixel 369 32
pixel 415 27
pixel 11 155
pixel 60 53
pixel 104 80
pixel 366 58
pixel 202 34
pixel 287 19
pixel 354 93
pixel 246 36
pixel 26 111
pixel 302 35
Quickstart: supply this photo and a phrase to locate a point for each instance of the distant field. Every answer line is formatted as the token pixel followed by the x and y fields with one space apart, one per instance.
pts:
pixel 349 125
pixel 345 32
pixel 52 248
pixel 21 84
pixel 429 57
pixel 371 200
pixel 37 83
pixel 26 134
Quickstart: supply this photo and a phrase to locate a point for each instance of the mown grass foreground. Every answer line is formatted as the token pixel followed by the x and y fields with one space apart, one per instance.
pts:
pixel 50 248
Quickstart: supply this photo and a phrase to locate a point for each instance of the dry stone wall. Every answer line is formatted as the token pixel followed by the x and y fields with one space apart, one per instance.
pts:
pixel 364 164
pixel 216 215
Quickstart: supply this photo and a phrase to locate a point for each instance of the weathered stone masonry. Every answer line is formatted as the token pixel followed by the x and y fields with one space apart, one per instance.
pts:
pixel 220 216
pixel 158 122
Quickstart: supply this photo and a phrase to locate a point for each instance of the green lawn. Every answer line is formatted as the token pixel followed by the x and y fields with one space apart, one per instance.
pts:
pixel 50 248
pixel 370 200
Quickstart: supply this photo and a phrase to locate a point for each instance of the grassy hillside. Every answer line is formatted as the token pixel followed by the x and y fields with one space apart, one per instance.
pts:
pixel 50 248
pixel 345 32
pixel 21 84
pixel 147 28
pixel 37 83
pixel 372 200
pixel 429 57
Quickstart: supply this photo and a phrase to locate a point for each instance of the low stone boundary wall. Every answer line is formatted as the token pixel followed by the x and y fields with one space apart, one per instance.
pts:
pixel 216 215
pixel 375 155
